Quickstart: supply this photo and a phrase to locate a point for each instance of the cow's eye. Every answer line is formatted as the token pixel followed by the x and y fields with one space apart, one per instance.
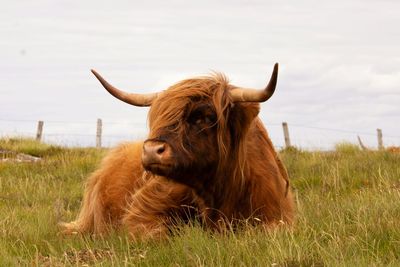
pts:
pixel 208 120
pixel 195 118
pixel 202 116
pixel 203 120
pixel 199 121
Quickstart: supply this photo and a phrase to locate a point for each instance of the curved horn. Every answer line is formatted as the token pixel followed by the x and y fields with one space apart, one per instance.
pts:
pixel 140 100
pixel 256 95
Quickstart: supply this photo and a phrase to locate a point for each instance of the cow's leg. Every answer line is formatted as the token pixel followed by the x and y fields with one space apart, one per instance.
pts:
pixel 92 216
pixel 157 206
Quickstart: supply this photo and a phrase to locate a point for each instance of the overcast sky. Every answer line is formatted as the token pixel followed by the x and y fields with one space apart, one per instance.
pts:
pixel 339 63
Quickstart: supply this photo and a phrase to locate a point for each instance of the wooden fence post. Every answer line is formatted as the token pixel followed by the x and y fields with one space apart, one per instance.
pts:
pixel 39 131
pixel 98 133
pixel 363 147
pixel 380 141
pixel 286 134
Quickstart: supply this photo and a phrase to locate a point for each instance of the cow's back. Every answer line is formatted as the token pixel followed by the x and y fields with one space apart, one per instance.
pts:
pixel 268 179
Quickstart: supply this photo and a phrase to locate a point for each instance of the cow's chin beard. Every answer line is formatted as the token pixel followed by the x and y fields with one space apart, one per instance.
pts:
pixel 159 169
pixel 167 171
pixel 184 175
pixel 170 172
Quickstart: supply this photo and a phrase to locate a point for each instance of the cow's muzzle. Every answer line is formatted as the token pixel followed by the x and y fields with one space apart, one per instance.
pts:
pixel 157 157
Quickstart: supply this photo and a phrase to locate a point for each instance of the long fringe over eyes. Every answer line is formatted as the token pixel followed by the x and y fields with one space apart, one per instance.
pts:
pixel 168 111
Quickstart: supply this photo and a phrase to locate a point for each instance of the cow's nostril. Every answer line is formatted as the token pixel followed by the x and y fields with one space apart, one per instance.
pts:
pixel 160 149
pixel 155 152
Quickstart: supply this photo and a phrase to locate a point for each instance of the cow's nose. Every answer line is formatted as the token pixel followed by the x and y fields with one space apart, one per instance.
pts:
pixel 156 149
pixel 154 152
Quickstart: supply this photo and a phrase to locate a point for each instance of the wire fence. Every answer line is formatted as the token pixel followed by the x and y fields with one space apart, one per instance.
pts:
pixel 109 133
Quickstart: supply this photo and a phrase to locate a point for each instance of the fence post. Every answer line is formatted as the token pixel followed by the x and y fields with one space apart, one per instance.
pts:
pixel 39 131
pixel 98 133
pixel 380 141
pixel 286 134
pixel 363 147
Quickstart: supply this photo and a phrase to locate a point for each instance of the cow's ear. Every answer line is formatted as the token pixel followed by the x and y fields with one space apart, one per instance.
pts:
pixel 241 117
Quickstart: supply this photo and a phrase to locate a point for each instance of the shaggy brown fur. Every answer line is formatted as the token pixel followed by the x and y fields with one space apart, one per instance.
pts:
pixel 223 167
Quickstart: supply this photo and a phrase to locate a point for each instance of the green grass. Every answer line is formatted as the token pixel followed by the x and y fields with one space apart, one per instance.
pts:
pixel 348 204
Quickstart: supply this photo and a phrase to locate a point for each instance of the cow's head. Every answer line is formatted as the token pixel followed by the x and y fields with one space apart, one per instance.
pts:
pixel 197 126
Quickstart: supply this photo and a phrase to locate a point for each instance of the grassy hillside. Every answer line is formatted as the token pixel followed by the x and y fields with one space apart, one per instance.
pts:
pixel 348 215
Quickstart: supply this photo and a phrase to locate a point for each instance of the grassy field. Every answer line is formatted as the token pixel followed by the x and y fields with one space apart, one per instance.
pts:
pixel 348 215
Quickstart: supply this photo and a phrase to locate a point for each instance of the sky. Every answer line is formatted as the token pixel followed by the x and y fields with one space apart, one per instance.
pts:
pixel 339 64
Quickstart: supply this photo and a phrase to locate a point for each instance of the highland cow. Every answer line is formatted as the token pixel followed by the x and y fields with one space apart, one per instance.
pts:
pixel 207 156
